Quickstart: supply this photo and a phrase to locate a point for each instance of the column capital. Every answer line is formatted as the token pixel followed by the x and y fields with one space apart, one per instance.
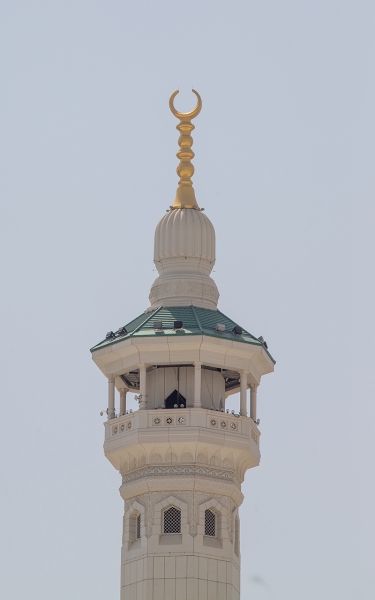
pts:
pixel 197 364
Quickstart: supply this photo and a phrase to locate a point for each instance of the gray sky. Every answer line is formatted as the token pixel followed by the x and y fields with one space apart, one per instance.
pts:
pixel 285 170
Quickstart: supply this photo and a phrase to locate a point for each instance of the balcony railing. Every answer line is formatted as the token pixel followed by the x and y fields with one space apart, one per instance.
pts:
pixel 177 419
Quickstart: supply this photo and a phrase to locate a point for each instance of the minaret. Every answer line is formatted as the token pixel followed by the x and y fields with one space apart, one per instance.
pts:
pixel 182 456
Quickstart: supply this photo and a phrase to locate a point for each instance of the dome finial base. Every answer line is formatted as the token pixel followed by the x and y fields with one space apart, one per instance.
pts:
pixel 185 198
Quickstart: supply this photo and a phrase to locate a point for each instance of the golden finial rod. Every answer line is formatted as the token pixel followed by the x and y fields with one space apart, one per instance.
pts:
pixel 185 195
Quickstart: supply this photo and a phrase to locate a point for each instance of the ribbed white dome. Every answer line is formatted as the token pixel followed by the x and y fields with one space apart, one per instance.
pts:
pixel 184 255
pixel 185 232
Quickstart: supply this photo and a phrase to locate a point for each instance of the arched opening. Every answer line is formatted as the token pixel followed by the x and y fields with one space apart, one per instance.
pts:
pixel 138 532
pixel 210 523
pixel 175 400
pixel 172 520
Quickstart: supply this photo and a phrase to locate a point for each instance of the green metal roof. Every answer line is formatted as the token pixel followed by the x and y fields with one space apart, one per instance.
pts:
pixel 196 321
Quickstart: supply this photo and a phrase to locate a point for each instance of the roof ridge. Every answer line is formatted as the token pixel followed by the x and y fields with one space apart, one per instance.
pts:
pixel 245 330
pixel 146 320
pixel 197 318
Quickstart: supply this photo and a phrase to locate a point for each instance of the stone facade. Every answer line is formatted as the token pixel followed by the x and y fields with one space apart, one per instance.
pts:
pixel 193 460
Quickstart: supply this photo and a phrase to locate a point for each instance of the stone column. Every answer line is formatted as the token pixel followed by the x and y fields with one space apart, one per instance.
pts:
pixel 142 386
pixel 111 397
pixel 197 385
pixel 253 401
pixel 243 393
pixel 123 392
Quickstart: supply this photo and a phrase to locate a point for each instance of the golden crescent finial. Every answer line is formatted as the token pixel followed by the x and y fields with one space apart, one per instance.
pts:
pixel 185 195
pixel 190 115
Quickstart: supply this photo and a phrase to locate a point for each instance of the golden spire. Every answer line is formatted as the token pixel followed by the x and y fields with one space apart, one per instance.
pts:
pixel 185 195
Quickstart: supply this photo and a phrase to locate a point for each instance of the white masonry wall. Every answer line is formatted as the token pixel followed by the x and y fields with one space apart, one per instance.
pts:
pixel 186 577
pixel 186 566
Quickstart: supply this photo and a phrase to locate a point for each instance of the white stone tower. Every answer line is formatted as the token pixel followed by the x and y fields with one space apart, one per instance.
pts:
pixel 182 456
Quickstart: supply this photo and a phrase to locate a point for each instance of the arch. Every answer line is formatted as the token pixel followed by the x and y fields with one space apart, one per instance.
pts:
pixel 187 457
pixel 227 463
pixel 210 523
pixel 134 525
pixel 165 504
pixel 138 527
pixel 171 520
pixel 170 456
pixel 215 460
pixel 155 459
pixel 202 458
pixel 214 507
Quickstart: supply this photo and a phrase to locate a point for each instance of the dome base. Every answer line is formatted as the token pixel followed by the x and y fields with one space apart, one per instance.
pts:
pixel 199 290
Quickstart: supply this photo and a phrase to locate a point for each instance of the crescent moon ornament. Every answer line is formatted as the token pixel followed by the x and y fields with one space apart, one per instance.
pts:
pixel 185 195
pixel 185 116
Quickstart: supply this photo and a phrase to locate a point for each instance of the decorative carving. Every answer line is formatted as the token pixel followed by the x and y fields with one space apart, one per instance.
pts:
pixel 227 463
pixel 181 420
pixel 169 421
pixel 223 424
pixel 193 287
pixel 114 430
pixel 155 458
pixel 186 287
pixel 170 456
pixel 202 459
pixel 213 422
pixel 233 425
pixel 178 287
pixel 157 421
pixel 230 506
pixel 187 457
pixel 210 291
pixel 143 461
pixel 181 470
pixel 254 436
pixel 122 427
pixel 192 499
pixel 159 291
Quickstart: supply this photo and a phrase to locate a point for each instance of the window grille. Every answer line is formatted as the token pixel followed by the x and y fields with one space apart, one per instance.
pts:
pixel 172 520
pixel 209 523
pixel 138 534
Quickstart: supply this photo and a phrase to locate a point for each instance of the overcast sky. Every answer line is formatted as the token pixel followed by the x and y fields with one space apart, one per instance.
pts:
pixel 285 170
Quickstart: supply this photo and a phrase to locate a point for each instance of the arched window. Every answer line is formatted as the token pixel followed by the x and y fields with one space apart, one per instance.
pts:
pixel 209 523
pixel 135 524
pixel 138 532
pixel 172 520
